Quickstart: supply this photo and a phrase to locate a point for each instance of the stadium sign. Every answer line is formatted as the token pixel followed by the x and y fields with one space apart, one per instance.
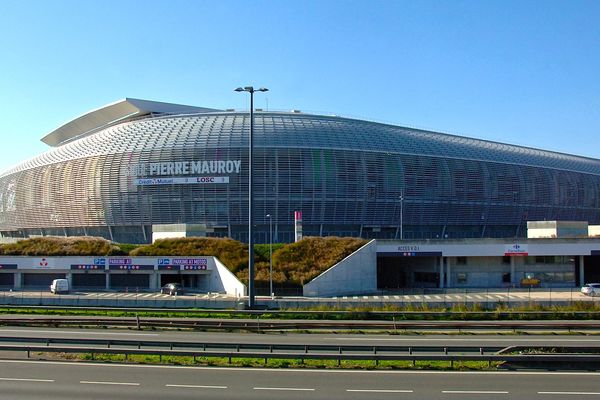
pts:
pixel 185 168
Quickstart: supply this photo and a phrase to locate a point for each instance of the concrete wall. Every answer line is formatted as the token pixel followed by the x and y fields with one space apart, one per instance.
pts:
pixel 226 281
pixel 356 274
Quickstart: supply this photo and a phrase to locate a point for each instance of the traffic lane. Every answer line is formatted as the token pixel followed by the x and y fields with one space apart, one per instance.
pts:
pixel 26 379
pixel 293 338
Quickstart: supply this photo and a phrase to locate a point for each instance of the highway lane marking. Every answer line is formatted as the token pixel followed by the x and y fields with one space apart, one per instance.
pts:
pixel 379 390
pixel 196 386
pixel 79 332
pixel 109 383
pixel 27 380
pixel 573 393
pixel 285 389
pixel 475 391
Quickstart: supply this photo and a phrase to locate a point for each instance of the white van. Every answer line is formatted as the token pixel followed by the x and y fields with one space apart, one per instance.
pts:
pixel 59 286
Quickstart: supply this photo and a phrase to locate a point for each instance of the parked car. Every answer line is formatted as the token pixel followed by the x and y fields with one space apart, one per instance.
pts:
pixel 173 289
pixel 591 289
pixel 59 286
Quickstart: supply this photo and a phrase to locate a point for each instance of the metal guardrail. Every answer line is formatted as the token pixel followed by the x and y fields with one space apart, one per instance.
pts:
pixel 257 325
pixel 243 347
pixel 400 315
pixel 587 360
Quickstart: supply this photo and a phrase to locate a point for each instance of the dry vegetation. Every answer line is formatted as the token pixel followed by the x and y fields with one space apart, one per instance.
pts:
pixel 232 253
pixel 308 258
pixel 293 264
pixel 57 246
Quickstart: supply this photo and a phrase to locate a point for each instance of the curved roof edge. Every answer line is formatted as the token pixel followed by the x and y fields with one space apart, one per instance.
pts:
pixel 114 113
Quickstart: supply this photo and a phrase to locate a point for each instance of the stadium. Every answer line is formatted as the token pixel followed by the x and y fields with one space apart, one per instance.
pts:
pixel 118 170
pixel 447 211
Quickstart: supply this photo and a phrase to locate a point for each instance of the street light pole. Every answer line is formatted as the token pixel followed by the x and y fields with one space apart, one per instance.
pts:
pixel 271 255
pixel 251 90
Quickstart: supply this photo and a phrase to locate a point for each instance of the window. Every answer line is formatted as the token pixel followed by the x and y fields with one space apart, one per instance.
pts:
pixel 461 260
pixel 461 278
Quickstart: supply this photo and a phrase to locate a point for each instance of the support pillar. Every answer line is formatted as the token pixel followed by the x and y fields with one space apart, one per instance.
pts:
pixel 581 270
pixel 513 275
pixel 18 280
pixel 442 277
pixel 107 280
pixel 448 273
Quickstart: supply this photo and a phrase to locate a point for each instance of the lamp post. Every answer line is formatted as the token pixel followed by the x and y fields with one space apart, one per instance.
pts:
pixel 251 90
pixel 270 254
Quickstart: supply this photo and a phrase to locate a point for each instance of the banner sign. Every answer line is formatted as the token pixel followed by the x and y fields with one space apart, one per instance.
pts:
pixel 8 266
pixel 181 180
pixel 183 264
pixel 516 250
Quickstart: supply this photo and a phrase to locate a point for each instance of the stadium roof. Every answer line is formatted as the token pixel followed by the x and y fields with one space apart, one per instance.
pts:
pixel 111 114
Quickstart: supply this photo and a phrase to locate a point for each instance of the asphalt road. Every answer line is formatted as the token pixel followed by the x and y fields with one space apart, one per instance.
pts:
pixel 308 339
pixel 58 380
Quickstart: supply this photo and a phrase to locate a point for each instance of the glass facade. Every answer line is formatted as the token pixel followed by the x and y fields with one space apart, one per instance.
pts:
pixel 346 176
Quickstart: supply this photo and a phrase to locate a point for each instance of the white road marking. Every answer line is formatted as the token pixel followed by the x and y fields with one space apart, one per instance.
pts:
pixel 27 380
pixel 305 371
pixel 109 383
pixel 573 393
pixel 379 390
pixel 284 389
pixel 196 386
pixel 475 391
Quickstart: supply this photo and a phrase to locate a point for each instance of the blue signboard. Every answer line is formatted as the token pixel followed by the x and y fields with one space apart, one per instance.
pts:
pixel 8 266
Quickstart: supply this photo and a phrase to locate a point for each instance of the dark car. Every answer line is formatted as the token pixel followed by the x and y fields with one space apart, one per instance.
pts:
pixel 173 289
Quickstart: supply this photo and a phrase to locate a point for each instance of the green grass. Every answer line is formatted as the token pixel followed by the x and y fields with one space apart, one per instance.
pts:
pixel 276 363
pixel 410 313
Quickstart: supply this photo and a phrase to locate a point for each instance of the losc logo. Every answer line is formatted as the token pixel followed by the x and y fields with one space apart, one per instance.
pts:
pixel 99 261
pixel 163 261
pixel 44 263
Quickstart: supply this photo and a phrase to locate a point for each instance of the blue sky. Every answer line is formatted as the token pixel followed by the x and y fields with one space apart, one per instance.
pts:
pixel 522 72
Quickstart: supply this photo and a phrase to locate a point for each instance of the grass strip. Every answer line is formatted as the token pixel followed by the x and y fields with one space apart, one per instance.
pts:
pixel 274 362
pixel 398 313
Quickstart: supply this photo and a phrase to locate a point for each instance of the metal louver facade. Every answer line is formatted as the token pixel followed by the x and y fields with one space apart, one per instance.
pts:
pixel 345 175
